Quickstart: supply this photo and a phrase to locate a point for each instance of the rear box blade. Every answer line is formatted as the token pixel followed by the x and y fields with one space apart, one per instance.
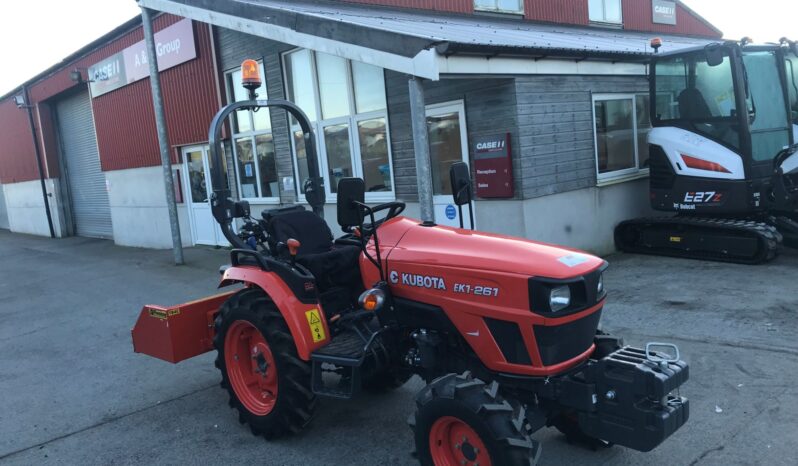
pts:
pixel 177 333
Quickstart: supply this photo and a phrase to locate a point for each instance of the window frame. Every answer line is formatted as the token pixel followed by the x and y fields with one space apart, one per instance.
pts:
pixel 251 135
pixel 627 173
pixel 351 120
pixel 604 21
pixel 496 9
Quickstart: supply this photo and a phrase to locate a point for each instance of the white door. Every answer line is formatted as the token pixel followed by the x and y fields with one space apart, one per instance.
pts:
pixel 448 143
pixel 204 229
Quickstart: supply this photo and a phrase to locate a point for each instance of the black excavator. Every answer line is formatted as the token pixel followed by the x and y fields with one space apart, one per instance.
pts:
pixel 722 154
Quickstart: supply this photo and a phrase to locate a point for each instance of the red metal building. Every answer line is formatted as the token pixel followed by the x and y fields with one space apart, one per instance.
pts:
pixel 637 14
pixel 123 118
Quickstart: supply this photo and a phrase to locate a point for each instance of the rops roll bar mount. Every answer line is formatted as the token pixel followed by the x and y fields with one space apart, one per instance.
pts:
pixel 222 206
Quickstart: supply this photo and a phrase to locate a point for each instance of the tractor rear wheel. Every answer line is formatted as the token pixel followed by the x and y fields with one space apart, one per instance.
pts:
pixel 462 421
pixel 268 384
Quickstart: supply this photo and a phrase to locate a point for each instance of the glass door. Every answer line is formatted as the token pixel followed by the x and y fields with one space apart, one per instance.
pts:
pixel 448 143
pixel 204 229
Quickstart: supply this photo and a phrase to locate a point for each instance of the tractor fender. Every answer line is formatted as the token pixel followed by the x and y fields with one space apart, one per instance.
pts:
pixel 305 321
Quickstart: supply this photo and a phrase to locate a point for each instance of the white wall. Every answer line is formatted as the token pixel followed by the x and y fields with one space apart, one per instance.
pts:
pixel 25 207
pixel 138 209
pixel 583 219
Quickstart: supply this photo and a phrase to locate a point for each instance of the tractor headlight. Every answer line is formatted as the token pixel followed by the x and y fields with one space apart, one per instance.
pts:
pixel 600 285
pixel 560 298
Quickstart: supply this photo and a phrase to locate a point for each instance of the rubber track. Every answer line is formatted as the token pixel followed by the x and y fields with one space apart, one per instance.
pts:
pixel 770 240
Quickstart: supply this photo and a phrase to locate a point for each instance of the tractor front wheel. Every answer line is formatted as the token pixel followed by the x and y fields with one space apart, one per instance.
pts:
pixel 463 421
pixel 268 384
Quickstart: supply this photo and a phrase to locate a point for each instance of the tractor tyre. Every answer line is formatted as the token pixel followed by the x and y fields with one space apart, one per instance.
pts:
pixel 461 420
pixel 268 384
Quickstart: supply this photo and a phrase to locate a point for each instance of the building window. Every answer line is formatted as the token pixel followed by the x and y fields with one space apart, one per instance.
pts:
pixel 500 6
pixel 622 123
pixel 253 146
pixel 605 11
pixel 345 101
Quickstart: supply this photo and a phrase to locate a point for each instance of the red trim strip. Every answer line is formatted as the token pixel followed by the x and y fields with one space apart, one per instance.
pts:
pixel 701 164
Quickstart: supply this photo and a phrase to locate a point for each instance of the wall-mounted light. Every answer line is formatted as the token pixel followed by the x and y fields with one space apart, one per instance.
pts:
pixel 75 75
pixel 19 100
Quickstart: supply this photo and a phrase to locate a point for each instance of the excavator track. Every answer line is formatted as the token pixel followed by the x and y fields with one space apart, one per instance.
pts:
pixel 739 241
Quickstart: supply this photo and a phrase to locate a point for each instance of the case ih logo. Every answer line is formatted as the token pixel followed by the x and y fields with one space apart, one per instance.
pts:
pixel 703 197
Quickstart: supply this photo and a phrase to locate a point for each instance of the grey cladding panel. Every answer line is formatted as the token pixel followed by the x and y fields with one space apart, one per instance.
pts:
pixel 490 109
pixel 555 122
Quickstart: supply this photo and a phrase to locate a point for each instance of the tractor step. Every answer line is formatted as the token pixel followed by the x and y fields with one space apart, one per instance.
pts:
pixel 336 366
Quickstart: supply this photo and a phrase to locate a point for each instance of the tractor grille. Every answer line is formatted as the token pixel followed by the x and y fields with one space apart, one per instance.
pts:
pixel 560 343
pixel 511 342
pixel 662 175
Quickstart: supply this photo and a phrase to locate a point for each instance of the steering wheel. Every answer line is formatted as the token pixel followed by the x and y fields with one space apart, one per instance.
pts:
pixel 394 208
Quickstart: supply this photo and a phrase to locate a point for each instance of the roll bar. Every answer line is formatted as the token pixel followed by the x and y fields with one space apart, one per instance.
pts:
pixel 224 208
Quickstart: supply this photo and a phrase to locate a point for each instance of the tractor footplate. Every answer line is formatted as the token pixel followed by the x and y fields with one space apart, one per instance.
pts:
pixel 341 360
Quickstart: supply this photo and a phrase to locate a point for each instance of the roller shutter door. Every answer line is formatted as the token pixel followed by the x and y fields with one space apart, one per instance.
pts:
pixel 91 212
pixel 3 210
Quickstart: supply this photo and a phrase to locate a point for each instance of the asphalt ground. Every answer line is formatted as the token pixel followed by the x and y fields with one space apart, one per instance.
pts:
pixel 73 392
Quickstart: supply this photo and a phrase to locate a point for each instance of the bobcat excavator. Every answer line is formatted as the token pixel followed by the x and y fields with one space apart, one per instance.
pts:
pixel 722 154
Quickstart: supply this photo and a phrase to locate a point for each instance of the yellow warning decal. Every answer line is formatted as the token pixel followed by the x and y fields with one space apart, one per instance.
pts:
pixel 676 239
pixel 316 327
pixel 157 313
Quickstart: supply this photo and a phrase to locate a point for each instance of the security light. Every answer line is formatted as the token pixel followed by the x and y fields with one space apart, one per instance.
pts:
pixel 76 76
pixel 19 100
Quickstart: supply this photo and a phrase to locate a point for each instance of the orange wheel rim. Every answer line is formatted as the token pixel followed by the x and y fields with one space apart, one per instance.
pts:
pixel 250 367
pixel 452 442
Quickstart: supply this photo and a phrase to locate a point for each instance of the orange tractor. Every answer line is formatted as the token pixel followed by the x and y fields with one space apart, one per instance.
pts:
pixel 502 329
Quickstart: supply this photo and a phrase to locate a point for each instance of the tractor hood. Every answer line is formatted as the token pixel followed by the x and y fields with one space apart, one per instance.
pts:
pixel 466 249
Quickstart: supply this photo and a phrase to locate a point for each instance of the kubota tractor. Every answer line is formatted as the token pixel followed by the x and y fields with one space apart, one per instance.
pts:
pixel 502 329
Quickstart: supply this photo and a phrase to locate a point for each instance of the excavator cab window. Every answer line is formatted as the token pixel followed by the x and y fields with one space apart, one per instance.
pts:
pixel 770 131
pixel 791 66
pixel 697 95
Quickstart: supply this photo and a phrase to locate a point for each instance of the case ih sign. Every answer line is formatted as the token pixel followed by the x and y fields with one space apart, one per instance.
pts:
pixel 664 11
pixel 174 45
pixel 493 166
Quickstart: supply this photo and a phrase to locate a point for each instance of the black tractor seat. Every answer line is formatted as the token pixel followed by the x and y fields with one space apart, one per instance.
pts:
pixel 332 265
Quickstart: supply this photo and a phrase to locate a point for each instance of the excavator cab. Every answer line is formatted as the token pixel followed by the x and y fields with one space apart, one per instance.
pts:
pixel 722 153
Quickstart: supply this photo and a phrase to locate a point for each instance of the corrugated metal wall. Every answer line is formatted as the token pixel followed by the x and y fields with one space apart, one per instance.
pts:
pixel 125 119
pixel 17 162
pixel 636 13
pixel 454 6
pixel 557 11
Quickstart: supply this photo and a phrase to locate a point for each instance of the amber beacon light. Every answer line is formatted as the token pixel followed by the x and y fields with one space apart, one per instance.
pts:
pixel 250 74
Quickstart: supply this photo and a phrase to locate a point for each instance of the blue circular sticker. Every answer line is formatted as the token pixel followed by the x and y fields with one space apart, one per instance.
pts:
pixel 450 212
